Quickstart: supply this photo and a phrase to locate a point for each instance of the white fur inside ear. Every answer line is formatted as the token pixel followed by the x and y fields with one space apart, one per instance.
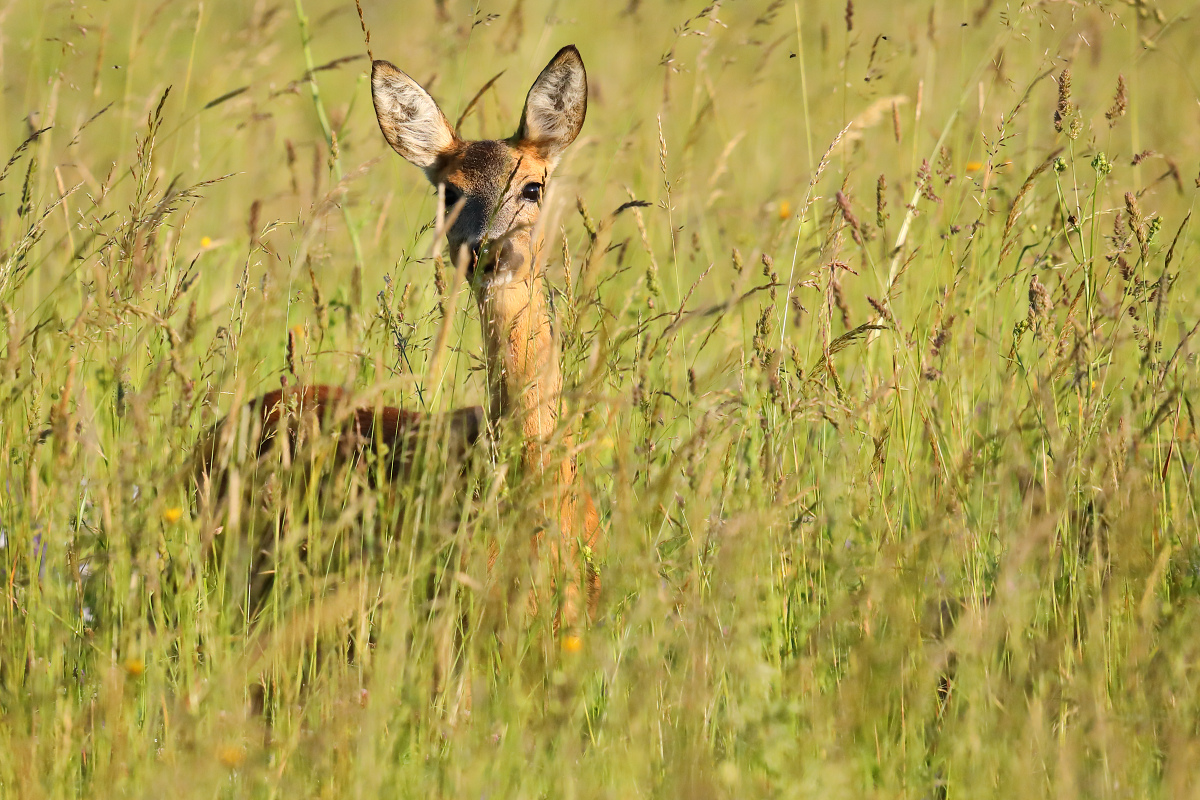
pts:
pixel 410 119
pixel 556 105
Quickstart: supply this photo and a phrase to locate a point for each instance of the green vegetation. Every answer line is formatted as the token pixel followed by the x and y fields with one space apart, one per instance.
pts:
pixel 885 392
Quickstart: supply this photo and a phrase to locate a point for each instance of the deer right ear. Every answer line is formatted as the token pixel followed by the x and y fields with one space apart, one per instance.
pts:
pixel 410 119
pixel 556 105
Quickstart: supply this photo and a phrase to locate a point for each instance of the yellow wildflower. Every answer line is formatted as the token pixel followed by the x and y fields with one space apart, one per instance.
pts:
pixel 231 755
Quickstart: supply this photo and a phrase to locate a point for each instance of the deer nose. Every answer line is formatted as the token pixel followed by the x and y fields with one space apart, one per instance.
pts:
pixel 508 257
pixel 490 257
pixel 471 252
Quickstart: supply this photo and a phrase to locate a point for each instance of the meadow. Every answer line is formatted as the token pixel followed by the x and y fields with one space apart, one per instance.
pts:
pixel 878 337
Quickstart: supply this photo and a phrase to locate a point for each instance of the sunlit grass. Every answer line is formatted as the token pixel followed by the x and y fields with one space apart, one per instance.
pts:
pixel 879 347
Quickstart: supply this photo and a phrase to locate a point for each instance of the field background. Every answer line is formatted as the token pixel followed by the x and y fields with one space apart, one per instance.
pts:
pixel 953 554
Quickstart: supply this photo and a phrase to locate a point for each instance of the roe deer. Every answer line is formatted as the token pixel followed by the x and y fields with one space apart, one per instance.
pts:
pixel 490 197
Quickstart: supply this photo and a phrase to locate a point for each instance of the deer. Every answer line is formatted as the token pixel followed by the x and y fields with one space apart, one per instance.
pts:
pixel 490 198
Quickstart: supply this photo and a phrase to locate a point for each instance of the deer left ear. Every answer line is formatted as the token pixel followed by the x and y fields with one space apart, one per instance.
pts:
pixel 410 119
pixel 556 105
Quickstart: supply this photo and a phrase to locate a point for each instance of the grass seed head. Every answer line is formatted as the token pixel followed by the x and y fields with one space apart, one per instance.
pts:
pixel 1137 223
pixel 851 220
pixel 881 213
pixel 1039 303
pixel 1120 103
pixel 1065 108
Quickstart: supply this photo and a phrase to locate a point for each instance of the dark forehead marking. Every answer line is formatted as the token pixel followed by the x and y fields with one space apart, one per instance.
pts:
pixel 480 161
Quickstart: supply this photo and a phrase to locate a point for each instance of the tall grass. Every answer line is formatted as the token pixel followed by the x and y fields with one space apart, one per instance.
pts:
pixel 878 332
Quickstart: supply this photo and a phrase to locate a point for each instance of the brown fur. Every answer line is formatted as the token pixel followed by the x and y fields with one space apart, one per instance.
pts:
pixel 238 459
pixel 390 433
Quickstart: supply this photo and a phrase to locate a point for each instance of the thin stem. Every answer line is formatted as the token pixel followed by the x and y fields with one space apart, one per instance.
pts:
pixel 326 128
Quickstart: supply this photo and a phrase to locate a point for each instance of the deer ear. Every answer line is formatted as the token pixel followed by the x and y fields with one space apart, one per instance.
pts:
pixel 410 119
pixel 556 105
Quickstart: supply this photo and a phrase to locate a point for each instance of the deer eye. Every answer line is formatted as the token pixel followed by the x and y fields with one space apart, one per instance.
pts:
pixel 532 192
pixel 453 195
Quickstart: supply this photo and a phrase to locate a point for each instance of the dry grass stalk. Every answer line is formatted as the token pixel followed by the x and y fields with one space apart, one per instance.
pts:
pixel 1014 210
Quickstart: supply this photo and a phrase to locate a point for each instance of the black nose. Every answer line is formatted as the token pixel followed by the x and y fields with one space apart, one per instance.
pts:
pixel 509 258
pixel 473 256
pixel 485 261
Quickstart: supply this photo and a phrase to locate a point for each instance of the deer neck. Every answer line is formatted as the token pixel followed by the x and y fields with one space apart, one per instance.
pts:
pixel 524 379
pixel 525 384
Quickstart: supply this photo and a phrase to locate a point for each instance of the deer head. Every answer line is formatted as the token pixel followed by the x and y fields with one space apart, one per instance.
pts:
pixel 492 190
